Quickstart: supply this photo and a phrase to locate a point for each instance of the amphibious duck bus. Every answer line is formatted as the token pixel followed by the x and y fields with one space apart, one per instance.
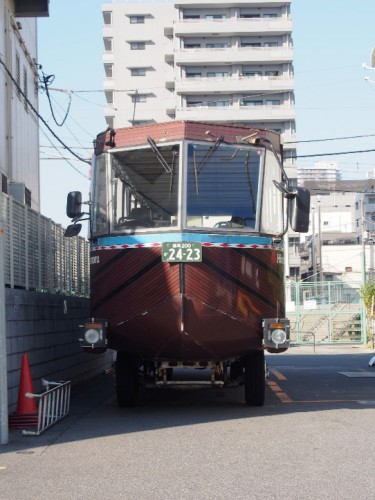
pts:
pixel 187 221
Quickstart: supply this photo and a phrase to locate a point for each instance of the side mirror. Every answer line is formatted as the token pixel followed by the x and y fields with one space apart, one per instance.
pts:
pixel 299 209
pixel 74 204
pixel 72 230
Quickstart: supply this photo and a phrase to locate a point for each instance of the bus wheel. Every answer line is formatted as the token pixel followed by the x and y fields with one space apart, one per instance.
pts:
pixel 127 382
pixel 255 379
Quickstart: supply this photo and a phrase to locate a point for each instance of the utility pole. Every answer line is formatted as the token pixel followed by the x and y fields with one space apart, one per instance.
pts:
pixel 4 433
pixel 363 273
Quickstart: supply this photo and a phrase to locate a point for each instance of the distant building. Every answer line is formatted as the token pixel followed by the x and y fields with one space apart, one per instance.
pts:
pixel 19 137
pixel 321 171
pixel 342 216
pixel 201 60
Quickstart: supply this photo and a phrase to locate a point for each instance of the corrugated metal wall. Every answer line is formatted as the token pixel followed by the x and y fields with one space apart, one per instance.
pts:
pixel 37 256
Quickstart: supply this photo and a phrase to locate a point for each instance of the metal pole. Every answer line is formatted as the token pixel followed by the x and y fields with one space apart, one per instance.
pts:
pixel 320 244
pixel 4 433
pixel 363 242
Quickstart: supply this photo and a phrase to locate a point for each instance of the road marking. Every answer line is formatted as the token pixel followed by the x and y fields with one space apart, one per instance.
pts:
pixel 358 374
pixel 2 467
pixel 277 374
pixel 284 398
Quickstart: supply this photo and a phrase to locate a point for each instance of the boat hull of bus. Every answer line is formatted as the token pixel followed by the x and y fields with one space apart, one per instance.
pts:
pixel 209 310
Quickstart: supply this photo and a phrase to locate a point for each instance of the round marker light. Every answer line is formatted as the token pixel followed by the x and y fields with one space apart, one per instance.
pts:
pixel 278 336
pixel 92 336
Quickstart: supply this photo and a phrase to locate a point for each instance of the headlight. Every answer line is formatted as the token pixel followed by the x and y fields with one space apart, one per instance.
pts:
pixel 278 336
pixel 92 336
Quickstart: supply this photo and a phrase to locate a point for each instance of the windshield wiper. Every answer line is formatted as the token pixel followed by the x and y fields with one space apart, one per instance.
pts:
pixel 168 168
pixel 209 153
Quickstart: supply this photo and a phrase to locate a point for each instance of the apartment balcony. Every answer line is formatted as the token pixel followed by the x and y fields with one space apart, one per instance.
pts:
pixel 233 27
pixel 108 57
pixel 237 113
pixel 231 55
pixel 190 86
pixel 108 84
pixel 294 260
pixel 234 3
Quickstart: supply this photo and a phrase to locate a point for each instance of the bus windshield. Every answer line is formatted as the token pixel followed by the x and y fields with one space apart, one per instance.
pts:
pixel 222 186
pixel 187 184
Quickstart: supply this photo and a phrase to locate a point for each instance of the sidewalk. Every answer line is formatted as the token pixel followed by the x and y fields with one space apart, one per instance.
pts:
pixel 330 349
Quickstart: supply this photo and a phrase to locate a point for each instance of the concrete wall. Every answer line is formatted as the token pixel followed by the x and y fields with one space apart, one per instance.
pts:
pixel 45 327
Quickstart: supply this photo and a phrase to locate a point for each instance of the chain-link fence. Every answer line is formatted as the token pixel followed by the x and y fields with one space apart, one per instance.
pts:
pixel 328 311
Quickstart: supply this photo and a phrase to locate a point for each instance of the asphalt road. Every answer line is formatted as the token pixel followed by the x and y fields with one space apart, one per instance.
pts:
pixel 313 439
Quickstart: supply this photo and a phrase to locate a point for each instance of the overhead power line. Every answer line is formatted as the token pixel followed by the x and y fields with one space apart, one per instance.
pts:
pixel 37 114
pixel 332 139
pixel 335 154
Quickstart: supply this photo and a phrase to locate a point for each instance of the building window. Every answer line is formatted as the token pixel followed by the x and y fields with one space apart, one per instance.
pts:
pixel 271 44
pixel 192 45
pixel 371 200
pixel 271 73
pixel 108 43
pixel 194 104
pixel 217 74
pixel 294 245
pixel 108 68
pixel 269 15
pixel 107 17
pixel 138 71
pixel 251 44
pixel 216 45
pixel 137 19
pixel 217 104
pixel 191 16
pixel 273 102
pixel 143 122
pixel 137 45
pixel 139 98
pixel 210 17
pixel 248 102
pixel 249 16
pixel 193 75
pixel 4 183
pixel 253 74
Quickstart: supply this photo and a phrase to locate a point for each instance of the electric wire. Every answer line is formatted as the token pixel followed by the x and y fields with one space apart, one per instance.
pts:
pixel 9 74
pixel 46 82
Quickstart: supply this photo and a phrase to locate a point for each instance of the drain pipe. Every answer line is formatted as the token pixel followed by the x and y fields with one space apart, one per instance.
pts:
pixel 4 433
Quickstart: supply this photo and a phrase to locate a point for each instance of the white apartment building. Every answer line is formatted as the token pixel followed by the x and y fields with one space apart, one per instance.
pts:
pixel 320 171
pixel 19 131
pixel 210 61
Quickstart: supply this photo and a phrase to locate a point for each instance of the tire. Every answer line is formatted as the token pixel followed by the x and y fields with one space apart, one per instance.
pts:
pixel 127 380
pixel 255 379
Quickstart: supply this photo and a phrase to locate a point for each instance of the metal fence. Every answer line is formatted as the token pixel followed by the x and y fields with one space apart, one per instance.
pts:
pixel 326 312
pixel 37 256
pixel 53 405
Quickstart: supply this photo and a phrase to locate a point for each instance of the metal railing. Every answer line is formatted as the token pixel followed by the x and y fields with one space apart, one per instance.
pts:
pixel 53 405
pixel 326 312
pixel 37 256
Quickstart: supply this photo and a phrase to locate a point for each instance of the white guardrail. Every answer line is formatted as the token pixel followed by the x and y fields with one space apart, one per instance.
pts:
pixel 53 405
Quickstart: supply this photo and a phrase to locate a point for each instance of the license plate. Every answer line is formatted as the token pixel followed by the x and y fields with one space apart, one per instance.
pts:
pixel 181 252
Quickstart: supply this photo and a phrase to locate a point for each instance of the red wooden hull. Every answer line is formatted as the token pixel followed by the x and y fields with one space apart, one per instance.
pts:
pixel 211 310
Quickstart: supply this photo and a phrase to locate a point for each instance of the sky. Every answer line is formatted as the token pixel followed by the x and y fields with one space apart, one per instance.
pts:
pixel 334 96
